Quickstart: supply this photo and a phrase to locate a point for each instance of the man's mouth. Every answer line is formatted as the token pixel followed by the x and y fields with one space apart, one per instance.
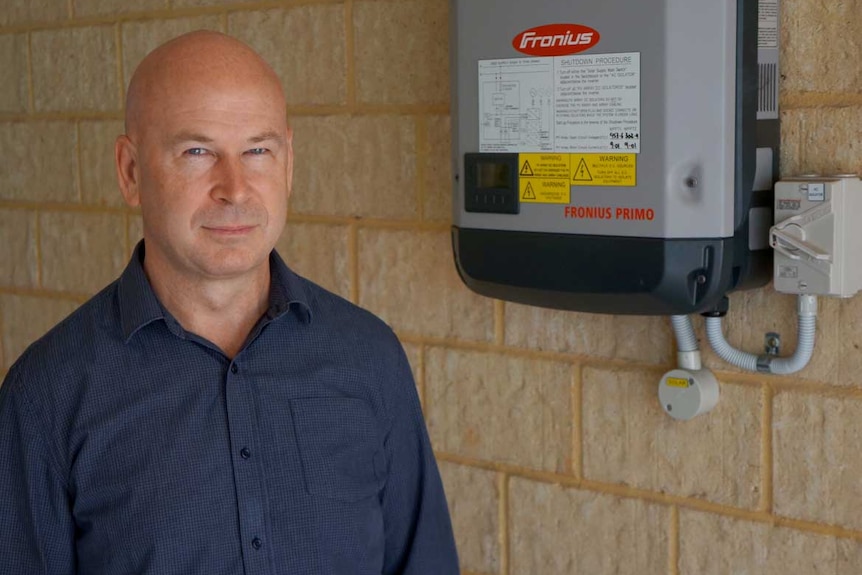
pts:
pixel 229 230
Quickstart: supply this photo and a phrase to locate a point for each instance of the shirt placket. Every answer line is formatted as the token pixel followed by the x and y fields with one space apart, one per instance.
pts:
pixel 246 470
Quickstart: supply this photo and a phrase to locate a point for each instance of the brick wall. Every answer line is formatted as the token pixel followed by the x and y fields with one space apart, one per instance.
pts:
pixel 555 454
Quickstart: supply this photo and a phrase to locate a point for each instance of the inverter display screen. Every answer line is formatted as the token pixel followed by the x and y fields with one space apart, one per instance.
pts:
pixel 492 175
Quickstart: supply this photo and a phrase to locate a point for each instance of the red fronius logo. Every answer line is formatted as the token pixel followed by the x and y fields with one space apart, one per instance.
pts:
pixel 556 40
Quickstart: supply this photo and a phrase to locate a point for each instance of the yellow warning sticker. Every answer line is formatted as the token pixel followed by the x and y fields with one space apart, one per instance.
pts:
pixel 547 178
pixel 551 166
pixel 545 191
pixel 677 382
pixel 544 178
pixel 603 170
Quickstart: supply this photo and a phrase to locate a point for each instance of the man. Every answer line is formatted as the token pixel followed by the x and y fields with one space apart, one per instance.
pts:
pixel 210 411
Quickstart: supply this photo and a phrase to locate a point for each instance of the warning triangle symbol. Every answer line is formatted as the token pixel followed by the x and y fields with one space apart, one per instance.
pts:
pixel 529 194
pixel 526 169
pixel 582 174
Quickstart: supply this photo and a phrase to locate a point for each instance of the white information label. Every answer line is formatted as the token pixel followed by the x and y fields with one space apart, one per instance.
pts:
pixel 817 192
pixel 576 104
pixel 767 22
pixel 598 103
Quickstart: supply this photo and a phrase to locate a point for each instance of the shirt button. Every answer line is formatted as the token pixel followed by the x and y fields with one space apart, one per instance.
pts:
pixel 256 543
pixel 234 368
pixel 245 452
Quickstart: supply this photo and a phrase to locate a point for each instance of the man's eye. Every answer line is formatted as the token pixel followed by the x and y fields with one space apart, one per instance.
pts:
pixel 195 151
pixel 258 151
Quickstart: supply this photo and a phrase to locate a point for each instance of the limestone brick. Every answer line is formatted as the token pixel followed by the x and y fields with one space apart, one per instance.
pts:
pixel 87 8
pixel 304 45
pixel 817 466
pixel 196 3
pixel 355 166
pixel 498 408
pixel 790 158
pixel 32 12
pixel 318 252
pixel 14 93
pixel 18 249
pixel 629 439
pixel 716 545
pixel 818 39
pixel 409 280
pixel 401 52
pixel 81 252
pixel 850 353
pixel 437 202
pixel 99 185
pixel 75 69
pixel 829 139
pixel 559 530
pixel 639 338
pixel 28 148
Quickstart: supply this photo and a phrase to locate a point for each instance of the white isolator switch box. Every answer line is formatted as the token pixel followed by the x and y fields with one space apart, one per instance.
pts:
pixel 817 236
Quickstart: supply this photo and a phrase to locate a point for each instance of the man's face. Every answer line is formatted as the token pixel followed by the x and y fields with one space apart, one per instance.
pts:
pixel 214 163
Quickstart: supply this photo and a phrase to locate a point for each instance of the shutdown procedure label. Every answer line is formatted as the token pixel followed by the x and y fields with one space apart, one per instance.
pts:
pixel 574 104
pixel 573 120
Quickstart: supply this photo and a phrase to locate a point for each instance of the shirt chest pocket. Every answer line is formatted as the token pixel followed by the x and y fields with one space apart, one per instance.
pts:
pixel 340 446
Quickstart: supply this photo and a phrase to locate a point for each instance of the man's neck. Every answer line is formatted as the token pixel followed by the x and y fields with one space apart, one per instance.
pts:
pixel 223 311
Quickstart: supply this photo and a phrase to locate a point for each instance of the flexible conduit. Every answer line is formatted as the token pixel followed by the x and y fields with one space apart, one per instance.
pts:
pixel 807 314
pixel 688 352
pixel 685 338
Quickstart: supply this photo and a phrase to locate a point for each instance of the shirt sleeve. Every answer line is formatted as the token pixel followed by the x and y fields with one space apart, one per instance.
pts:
pixel 36 526
pixel 419 539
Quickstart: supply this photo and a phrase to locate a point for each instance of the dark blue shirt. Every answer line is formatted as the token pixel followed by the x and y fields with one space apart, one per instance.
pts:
pixel 129 445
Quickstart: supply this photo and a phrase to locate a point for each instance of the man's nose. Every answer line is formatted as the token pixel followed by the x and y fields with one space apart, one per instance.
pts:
pixel 230 185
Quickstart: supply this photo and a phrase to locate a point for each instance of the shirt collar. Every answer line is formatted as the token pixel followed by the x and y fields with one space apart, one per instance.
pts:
pixel 139 305
pixel 287 290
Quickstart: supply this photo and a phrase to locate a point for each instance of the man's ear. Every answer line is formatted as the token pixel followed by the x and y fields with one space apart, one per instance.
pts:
pixel 289 160
pixel 128 174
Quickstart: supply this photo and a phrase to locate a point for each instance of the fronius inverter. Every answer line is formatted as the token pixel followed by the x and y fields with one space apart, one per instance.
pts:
pixel 614 156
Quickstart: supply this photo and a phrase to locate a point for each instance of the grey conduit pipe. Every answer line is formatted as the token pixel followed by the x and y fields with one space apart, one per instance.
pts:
pixel 807 314
pixel 688 352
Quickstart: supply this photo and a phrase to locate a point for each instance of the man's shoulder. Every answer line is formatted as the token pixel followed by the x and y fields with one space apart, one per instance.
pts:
pixel 333 310
pixel 67 346
pixel 351 328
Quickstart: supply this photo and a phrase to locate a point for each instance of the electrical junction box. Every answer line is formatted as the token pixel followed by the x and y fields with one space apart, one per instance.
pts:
pixel 614 156
pixel 817 235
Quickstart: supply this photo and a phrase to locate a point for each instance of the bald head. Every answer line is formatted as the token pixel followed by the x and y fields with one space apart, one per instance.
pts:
pixel 201 62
